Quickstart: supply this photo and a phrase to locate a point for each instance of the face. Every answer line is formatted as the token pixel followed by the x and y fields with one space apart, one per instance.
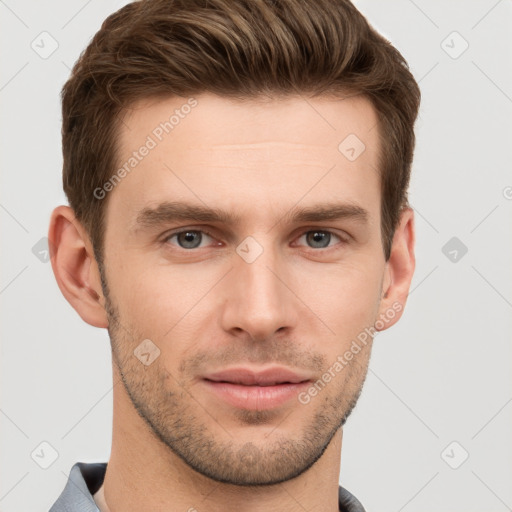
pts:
pixel 222 249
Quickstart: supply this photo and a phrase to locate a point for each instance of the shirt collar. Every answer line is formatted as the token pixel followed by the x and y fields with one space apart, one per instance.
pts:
pixel 86 478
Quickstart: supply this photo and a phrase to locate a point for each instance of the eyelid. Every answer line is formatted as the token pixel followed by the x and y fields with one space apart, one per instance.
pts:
pixel 343 235
pixel 170 234
pixel 343 240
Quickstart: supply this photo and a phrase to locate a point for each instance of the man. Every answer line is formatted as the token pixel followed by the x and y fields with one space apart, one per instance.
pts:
pixel 237 175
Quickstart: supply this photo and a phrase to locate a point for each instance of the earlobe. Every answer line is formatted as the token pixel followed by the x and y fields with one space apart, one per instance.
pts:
pixel 75 267
pixel 399 272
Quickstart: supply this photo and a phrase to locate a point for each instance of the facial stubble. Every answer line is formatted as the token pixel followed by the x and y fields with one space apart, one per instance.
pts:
pixel 177 419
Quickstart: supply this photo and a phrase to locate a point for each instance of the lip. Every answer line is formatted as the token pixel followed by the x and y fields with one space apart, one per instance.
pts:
pixel 266 377
pixel 262 390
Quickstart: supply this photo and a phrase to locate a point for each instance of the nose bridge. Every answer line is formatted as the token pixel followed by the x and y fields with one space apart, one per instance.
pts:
pixel 258 301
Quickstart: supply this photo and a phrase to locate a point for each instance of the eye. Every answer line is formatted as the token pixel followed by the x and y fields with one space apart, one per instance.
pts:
pixel 188 239
pixel 320 239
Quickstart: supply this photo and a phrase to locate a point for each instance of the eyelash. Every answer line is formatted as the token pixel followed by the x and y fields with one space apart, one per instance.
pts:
pixel 166 239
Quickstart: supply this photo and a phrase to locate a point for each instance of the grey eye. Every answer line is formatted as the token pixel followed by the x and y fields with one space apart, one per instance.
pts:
pixel 190 239
pixel 318 239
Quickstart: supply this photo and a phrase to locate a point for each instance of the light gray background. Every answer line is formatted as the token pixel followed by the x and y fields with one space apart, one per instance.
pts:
pixel 442 374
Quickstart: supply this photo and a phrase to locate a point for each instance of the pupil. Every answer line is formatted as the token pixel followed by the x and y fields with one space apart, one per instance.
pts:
pixel 189 237
pixel 319 236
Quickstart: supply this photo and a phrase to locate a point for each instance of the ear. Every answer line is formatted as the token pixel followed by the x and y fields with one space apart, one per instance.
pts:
pixel 75 267
pixel 398 272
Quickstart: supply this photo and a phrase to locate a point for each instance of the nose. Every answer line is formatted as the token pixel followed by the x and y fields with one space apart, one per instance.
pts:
pixel 259 301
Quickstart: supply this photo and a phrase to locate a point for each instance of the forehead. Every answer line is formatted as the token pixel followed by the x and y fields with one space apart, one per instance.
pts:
pixel 245 155
pixel 207 120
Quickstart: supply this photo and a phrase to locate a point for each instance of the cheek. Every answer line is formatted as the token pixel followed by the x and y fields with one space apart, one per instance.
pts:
pixel 164 301
pixel 346 297
pixel 159 299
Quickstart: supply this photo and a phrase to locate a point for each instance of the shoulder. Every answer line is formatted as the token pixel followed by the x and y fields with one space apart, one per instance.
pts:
pixel 348 502
pixel 83 481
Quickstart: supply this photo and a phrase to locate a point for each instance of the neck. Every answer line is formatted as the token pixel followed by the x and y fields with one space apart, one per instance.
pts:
pixel 144 474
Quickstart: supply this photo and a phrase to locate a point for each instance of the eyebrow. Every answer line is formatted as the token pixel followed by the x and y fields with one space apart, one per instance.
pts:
pixel 171 211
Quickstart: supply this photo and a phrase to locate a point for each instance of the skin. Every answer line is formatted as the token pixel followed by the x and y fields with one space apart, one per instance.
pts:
pixel 300 304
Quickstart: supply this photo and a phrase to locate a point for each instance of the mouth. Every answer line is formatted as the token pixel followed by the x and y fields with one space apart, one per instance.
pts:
pixel 263 385
pixel 257 390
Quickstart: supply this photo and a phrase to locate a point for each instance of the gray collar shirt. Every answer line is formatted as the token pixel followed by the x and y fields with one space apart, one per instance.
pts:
pixel 86 478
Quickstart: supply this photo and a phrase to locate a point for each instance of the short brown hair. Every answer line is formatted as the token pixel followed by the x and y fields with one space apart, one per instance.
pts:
pixel 239 49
